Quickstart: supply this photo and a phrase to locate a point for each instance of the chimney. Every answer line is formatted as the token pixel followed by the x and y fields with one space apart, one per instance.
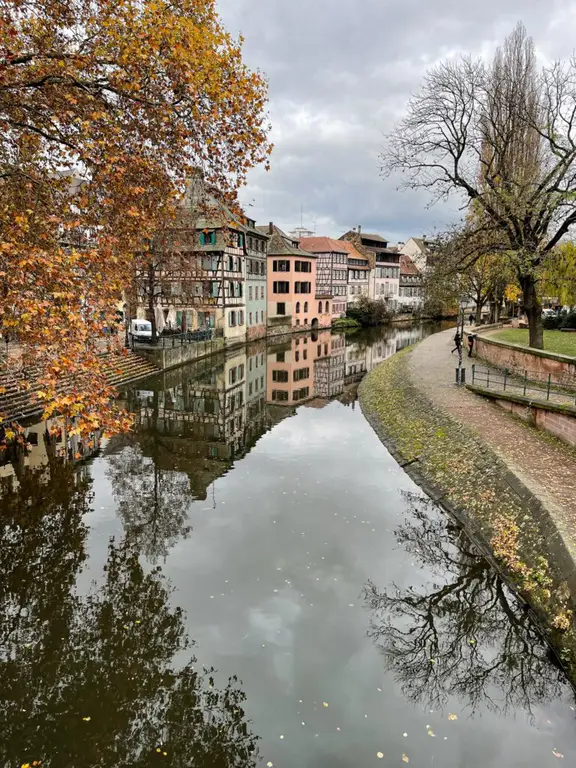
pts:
pixel 359 229
pixel 271 228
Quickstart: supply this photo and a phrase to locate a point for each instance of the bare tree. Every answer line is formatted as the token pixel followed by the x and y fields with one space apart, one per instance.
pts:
pixel 504 137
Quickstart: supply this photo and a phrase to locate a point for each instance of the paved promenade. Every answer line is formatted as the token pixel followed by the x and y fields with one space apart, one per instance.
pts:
pixel 546 466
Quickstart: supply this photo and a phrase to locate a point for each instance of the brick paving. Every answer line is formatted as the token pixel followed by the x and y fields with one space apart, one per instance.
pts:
pixel 546 466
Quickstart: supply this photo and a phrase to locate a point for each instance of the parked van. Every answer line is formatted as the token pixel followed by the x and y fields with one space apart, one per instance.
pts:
pixel 141 330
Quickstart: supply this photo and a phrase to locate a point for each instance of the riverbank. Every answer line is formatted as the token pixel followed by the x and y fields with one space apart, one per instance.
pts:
pixel 511 487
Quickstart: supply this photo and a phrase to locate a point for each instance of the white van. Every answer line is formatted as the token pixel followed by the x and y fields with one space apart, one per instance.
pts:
pixel 141 330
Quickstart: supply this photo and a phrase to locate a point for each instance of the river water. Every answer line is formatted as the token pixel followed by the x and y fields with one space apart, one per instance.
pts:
pixel 250 579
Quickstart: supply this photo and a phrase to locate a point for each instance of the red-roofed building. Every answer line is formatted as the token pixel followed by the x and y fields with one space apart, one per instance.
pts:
pixel 410 297
pixel 358 273
pixel 331 270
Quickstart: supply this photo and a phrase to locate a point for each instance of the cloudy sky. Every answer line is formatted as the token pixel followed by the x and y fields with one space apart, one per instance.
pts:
pixel 340 73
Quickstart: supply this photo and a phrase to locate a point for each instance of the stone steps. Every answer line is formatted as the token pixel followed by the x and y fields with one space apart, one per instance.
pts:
pixel 18 399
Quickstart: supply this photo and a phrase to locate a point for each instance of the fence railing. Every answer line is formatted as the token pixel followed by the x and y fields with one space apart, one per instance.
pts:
pixel 180 339
pixel 551 390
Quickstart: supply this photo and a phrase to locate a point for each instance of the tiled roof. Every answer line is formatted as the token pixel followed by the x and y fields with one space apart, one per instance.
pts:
pixel 281 244
pixel 322 245
pixel 370 236
pixel 353 252
pixel 407 266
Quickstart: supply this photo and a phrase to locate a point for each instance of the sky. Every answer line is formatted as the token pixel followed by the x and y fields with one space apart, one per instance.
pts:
pixel 340 74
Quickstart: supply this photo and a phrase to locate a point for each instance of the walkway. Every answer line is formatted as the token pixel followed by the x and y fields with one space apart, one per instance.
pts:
pixel 546 466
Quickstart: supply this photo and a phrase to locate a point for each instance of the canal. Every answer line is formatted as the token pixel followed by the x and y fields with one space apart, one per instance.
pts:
pixel 250 579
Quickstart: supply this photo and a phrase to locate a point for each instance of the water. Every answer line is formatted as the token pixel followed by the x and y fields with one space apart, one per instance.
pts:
pixel 278 542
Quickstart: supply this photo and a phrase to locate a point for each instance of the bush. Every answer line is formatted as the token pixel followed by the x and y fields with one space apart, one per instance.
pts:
pixel 551 322
pixel 369 312
pixel 569 321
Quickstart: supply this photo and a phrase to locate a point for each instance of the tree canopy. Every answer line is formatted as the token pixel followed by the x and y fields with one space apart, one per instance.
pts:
pixel 107 107
pixel 503 136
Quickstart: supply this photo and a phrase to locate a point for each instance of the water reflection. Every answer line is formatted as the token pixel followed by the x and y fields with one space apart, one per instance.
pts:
pixel 93 679
pixel 463 633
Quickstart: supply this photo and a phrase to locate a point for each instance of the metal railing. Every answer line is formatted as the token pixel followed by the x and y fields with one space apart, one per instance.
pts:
pixel 179 339
pixel 551 390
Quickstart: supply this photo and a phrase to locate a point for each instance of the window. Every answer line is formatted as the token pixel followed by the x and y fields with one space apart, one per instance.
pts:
pixel 282 286
pixel 297 307
pixel 262 292
pixel 262 381
pixel 207 238
pixel 262 267
pixel 319 350
pixel 250 318
pixel 250 293
pixel 281 376
pixel 302 287
pixel 282 265
pixel 297 356
pixel 298 322
pixel 301 394
pixel 280 357
pixel 250 388
pixel 303 266
pixel 232 320
pixel 325 349
pixel 320 307
pixel 279 395
pixel 305 307
pixel 305 354
pixel 241 317
pixel 327 306
pixel 281 308
pixel 301 373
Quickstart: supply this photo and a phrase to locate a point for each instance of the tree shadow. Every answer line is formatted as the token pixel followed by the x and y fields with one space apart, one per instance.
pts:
pixel 106 677
pixel 463 633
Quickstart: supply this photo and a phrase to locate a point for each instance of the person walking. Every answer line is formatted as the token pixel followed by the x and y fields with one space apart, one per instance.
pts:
pixel 471 340
pixel 471 319
pixel 458 343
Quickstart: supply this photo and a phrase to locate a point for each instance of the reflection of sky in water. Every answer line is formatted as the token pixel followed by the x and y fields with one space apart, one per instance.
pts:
pixel 271 580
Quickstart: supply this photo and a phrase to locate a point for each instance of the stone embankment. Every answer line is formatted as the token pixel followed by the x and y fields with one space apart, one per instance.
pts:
pixel 512 487
pixel 18 399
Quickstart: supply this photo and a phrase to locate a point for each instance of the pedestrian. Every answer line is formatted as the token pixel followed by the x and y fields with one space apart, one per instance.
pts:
pixel 471 340
pixel 457 342
pixel 471 319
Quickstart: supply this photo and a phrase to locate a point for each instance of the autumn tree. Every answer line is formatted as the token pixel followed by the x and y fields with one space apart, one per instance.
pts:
pixel 559 275
pixel 106 109
pixel 502 136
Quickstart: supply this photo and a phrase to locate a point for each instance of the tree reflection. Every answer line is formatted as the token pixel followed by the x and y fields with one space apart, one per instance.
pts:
pixel 96 679
pixel 152 502
pixel 463 633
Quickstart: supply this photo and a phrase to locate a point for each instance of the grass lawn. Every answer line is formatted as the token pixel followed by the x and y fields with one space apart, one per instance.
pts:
pixel 554 341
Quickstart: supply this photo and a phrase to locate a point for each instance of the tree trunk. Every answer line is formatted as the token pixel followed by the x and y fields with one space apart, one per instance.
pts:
pixel 478 319
pixel 533 310
pixel 151 297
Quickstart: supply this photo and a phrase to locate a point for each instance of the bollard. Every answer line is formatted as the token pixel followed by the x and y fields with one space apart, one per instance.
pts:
pixel 463 376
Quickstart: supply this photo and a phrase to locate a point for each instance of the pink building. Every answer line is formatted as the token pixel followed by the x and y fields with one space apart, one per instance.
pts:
pixel 293 301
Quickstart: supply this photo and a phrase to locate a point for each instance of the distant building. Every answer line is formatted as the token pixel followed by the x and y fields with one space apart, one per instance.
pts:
pixel 256 266
pixel 410 296
pixel 292 298
pixel 358 273
pixel 331 270
pixel 384 282
pixel 419 249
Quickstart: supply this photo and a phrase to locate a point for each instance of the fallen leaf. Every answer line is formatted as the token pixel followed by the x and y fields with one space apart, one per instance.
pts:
pixel 405 735
pixel 431 733
pixel 558 754
pixel 452 717
pixel 269 764
pixel 325 703
pixel 86 719
pixel 379 755
pixel 405 759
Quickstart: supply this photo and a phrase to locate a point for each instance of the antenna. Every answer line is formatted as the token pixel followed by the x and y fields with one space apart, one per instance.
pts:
pixel 301 217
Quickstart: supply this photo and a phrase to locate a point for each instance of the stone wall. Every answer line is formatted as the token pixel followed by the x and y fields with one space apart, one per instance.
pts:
pixel 171 357
pixel 517 359
pixel 560 425
pixel 255 332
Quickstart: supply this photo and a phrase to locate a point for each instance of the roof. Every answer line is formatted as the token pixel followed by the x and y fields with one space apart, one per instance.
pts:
pixel 422 243
pixel 369 236
pixel 281 244
pixel 407 266
pixel 353 252
pixel 322 245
